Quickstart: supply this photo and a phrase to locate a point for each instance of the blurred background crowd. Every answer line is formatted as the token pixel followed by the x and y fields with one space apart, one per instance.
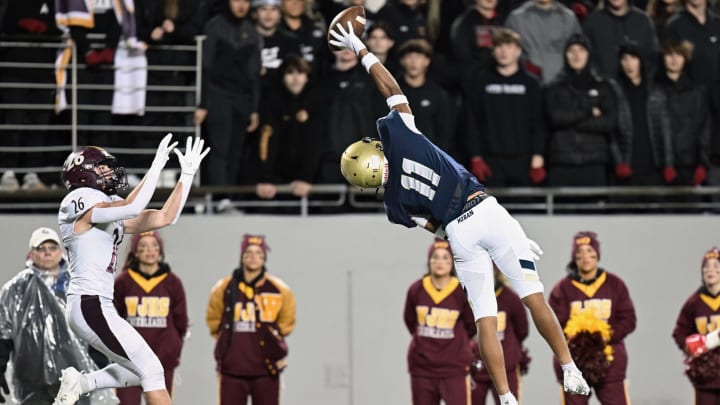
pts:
pixel 525 94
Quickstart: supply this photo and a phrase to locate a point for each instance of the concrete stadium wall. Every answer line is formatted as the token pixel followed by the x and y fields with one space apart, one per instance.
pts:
pixel 350 275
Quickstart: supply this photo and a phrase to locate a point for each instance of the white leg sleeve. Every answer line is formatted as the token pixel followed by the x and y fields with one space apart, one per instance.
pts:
pixel 112 376
pixel 95 320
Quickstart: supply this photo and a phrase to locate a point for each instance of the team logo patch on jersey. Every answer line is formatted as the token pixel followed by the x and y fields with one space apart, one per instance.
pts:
pixel 465 216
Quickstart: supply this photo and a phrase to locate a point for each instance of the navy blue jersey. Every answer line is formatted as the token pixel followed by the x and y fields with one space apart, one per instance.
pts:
pixel 423 180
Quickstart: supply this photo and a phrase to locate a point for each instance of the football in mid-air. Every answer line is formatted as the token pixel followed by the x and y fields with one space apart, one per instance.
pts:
pixel 354 15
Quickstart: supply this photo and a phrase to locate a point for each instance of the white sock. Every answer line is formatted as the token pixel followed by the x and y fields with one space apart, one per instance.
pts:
pixel 712 339
pixel 112 376
pixel 570 367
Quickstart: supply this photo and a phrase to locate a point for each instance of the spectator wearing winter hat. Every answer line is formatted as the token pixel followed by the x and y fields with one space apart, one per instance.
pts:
pixel 512 331
pixel 277 42
pixel 152 299
pixel 688 110
pixel 644 155
pixel 589 287
pixel 699 316
pixel 441 323
pixel 582 117
pixel 250 312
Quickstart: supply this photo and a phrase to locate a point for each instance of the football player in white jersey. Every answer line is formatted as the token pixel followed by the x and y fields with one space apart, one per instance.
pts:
pixel 93 220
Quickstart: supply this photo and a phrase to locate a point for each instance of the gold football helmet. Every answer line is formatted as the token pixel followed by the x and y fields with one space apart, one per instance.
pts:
pixel 362 163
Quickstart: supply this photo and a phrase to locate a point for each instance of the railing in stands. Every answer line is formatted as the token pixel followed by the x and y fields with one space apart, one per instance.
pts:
pixel 73 126
pixel 342 198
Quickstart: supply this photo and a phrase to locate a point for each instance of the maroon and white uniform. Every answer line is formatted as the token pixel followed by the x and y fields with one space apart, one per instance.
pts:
pixel 155 306
pixel 442 324
pixel 90 311
pixel 609 298
pixel 700 314
pixel 512 331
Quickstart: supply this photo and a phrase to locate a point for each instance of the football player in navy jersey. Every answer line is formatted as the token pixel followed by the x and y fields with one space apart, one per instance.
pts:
pixel 424 186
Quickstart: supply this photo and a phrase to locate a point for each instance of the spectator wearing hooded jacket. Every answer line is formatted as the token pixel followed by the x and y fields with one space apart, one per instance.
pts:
pixel 230 90
pixel 544 26
pixel 591 288
pixel 615 22
pixel 582 116
pixel 687 107
pixel 644 155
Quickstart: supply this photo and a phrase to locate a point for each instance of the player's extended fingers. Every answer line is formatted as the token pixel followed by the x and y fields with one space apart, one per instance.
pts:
pixel 180 156
pixel 341 29
pixel 350 28
pixel 165 141
pixel 202 155
pixel 199 143
pixel 172 147
pixel 336 35
pixel 337 43
pixel 188 145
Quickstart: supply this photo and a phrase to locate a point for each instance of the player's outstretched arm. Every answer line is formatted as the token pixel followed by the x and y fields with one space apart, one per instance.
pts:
pixel 386 83
pixel 170 212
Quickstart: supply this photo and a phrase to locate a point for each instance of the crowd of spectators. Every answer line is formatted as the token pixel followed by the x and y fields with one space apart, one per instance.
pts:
pixel 541 92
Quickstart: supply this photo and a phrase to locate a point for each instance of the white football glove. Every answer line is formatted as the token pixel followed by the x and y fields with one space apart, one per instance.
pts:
pixel 163 152
pixel 190 161
pixel 346 39
pixel 535 249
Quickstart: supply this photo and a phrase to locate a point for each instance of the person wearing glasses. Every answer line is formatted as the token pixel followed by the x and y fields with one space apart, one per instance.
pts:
pixel 33 327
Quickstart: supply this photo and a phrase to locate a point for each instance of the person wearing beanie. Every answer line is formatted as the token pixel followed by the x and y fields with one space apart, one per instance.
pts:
pixel 588 286
pixel 440 321
pixel 34 333
pixel 512 333
pixel 152 299
pixel 696 330
pixel 277 42
pixel 645 154
pixel 582 116
pixel 249 313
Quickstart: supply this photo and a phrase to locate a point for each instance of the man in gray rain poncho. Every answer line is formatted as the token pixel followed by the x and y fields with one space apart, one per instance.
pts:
pixel 33 331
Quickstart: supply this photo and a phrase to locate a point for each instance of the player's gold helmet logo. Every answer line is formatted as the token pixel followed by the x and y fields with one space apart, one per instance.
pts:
pixel 362 163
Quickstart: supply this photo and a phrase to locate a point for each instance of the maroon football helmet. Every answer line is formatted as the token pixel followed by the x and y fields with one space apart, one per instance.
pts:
pixel 82 169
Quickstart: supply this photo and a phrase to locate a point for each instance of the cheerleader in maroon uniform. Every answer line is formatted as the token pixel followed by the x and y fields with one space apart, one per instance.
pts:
pixel 700 315
pixel 512 331
pixel 589 287
pixel 152 299
pixel 438 316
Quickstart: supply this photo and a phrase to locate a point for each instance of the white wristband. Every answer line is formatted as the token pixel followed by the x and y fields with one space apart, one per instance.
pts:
pixel 368 60
pixel 396 99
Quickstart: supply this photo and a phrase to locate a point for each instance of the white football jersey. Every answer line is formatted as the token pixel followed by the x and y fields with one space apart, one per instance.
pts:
pixel 93 254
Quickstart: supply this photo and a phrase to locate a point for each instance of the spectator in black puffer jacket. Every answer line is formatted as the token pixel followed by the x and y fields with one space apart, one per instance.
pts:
pixel 230 89
pixel 644 156
pixel 582 116
pixel 689 116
